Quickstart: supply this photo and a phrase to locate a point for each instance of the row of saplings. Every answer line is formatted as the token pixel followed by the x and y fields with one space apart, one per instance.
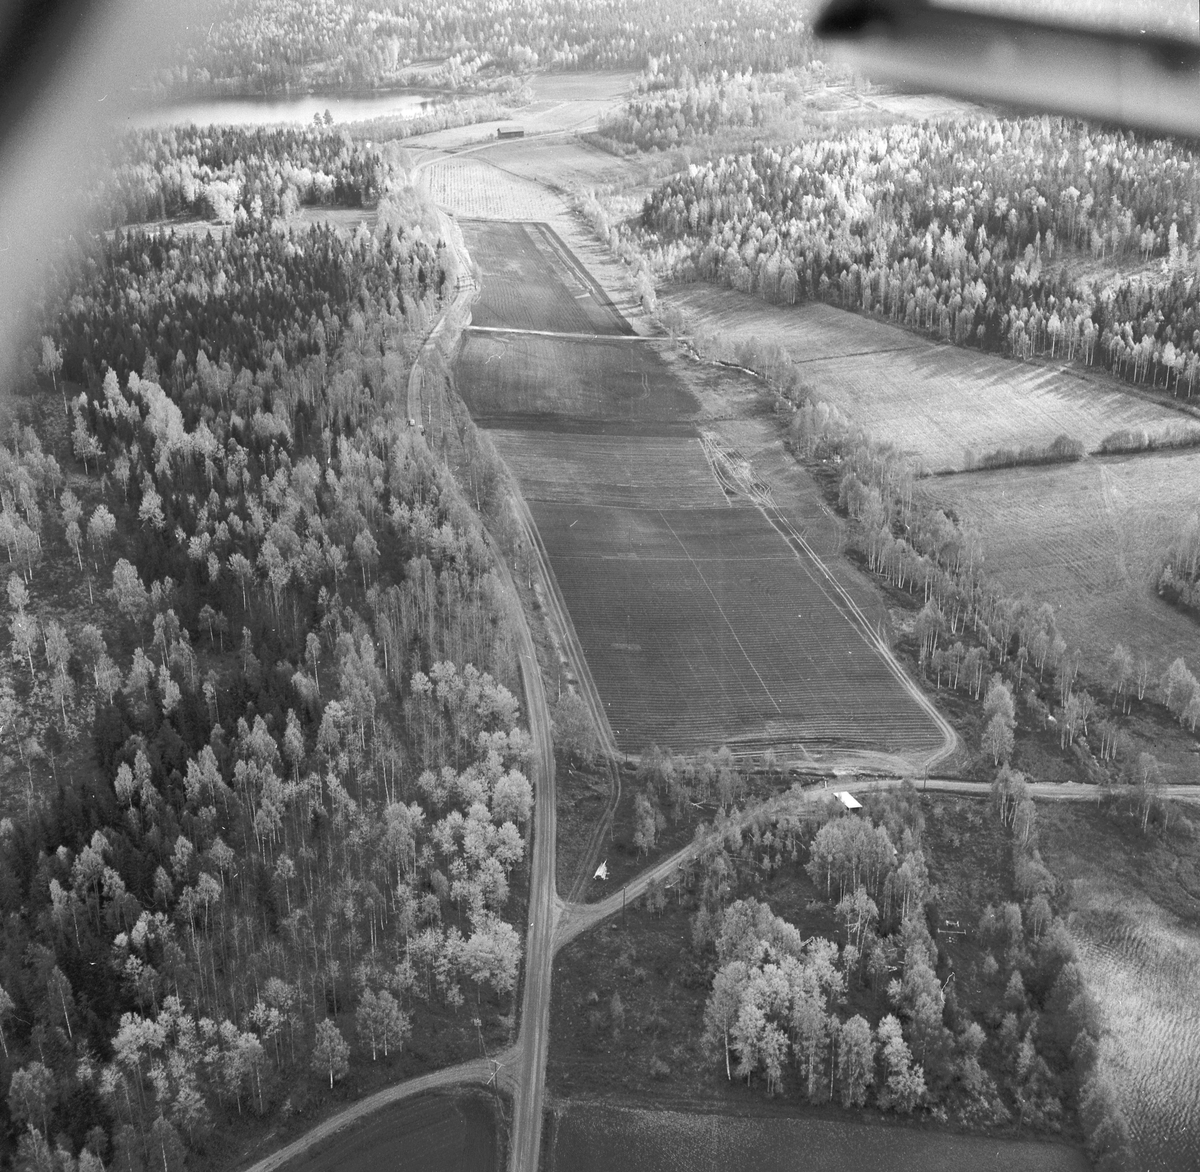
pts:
pixel 781 1005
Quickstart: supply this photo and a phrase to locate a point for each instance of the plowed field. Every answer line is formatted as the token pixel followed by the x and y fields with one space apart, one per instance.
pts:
pixel 626 471
pixel 703 628
pixel 433 1133
pixel 468 187
pixel 516 258
pixel 700 624
pixel 524 378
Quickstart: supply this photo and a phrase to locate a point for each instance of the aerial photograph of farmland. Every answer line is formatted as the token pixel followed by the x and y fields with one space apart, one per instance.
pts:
pixel 610 584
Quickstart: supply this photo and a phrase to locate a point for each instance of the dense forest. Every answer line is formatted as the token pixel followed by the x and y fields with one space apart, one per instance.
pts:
pixel 272 46
pixel 1030 237
pixel 674 108
pixel 271 798
pixel 231 174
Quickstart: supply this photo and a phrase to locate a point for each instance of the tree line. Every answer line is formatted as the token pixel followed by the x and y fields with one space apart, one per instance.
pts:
pixel 969 229
pixel 230 173
pixel 274 46
pixel 298 803
pixel 968 635
pixel 673 110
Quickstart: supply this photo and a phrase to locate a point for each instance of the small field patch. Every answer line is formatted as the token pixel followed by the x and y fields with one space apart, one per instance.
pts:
pixel 535 283
pixel 932 401
pixel 564 165
pixel 468 187
pixel 1086 537
pixel 636 472
pixel 515 377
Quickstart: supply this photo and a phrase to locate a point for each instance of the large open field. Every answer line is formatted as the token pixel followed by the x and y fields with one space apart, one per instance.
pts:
pixel 1135 916
pixel 595 1137
pixel 1086 537
pixel 700 624
pixel 933 401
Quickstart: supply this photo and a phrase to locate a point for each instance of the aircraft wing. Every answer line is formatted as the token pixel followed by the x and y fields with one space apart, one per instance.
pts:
pixel 1145 82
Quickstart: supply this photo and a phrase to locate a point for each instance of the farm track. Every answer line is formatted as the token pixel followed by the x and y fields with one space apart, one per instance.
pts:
pixel 840 598
pixel 557 616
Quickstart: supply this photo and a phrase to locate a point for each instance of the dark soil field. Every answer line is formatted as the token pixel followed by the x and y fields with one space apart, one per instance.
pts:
pixel 700 624
pixel 433 1133
pixel 533 282
pixel 531 380
pixel 703 628
pixel 596 1137
pixel 625 471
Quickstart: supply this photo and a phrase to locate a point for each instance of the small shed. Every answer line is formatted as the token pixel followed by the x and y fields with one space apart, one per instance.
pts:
pixel 510 132
pixel 848 800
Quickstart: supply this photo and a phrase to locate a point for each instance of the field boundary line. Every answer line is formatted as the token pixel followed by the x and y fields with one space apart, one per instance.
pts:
pixel 871 637
pixel 569 336
pixel 575 265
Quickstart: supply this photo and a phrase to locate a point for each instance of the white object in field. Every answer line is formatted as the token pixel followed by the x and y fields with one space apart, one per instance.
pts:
pixel 848 800
pixel 601 871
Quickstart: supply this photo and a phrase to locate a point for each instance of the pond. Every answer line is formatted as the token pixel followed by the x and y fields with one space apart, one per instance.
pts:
pixel 277 111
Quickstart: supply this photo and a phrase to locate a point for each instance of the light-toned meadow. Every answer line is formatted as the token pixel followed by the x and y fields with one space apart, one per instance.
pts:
pixel 932 401
pixel 1086 538
pixel 468 187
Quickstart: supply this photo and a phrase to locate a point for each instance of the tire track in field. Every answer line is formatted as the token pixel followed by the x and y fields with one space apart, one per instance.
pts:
pixel 1110 492
pixel 758 492
pixel 721 611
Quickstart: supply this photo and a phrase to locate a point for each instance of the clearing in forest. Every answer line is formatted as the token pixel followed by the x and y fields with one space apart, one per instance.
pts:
pixel 934 401
pixel 1087 538
pixel 700 624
